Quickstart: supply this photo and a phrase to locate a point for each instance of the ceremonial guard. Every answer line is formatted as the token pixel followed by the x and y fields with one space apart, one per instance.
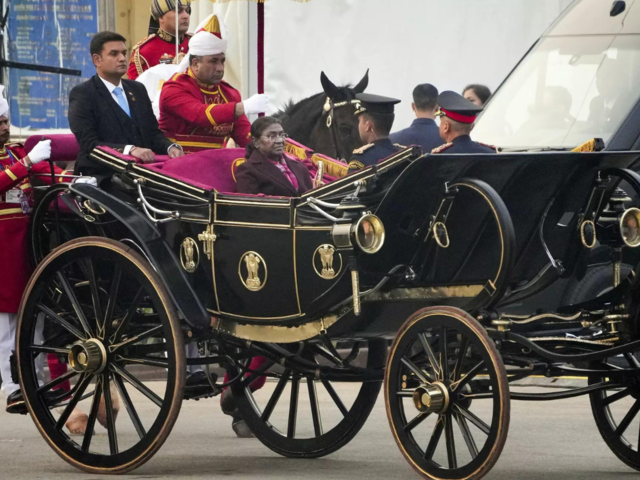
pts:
pixel 160 48
pixel 375 120
pixel 15 204
pixel 457 116
pixel 198 109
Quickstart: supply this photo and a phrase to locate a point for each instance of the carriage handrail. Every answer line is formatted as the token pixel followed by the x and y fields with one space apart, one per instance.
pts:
pixel 146 206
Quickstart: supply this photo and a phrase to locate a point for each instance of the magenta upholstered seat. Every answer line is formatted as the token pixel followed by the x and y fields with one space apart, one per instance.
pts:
pixel 64 147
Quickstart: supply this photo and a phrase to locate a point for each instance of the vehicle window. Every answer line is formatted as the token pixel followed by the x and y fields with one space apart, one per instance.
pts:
pixel 567 91
pixel 590 17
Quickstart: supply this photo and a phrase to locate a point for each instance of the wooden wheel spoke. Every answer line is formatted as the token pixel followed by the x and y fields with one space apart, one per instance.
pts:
pixel 149 362
pixel 95 297
pixel 45 349
pixel 477 421
pixel 435 439
pixel 424 377
pixel 451 443
pixel 293 407
pixel 93 414
pixel 137 338
pixel 477 368
pixel 628 418
pixel 444 357
pixel 315 407
pixel 633 361
pixel 424 341
pixel 253 376
pixel 417 420
pixel 111 304
pixel 466 434
pixel 54 383
pixel 616 396
pixel 128 405
pixel 77 308
pixel 61 322
pixel 84 383
pixel 275 396
pixel 464 348
pixel 137 384
pixel 111 421
pixel 336 399
pixel 124 324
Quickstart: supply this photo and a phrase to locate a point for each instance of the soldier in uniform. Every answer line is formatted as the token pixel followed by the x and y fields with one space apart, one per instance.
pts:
pixel 198 109
pixel 457 116
pixel 15 204
pixel 375 120
pixel 160 47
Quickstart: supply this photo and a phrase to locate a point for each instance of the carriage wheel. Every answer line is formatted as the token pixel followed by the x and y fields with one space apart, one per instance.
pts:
pixel 300 417
pixel 95 304
pixel 447 395
pixel 48 230
pixel 616 410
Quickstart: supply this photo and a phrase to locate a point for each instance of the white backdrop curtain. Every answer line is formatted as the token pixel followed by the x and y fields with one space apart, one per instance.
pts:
pixel 403 42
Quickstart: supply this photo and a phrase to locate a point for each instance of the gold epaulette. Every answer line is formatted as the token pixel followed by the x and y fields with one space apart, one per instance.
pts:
pixel 356 165
pixel 143 41
pixel 361 150
pixel 442 148
pixel 492 147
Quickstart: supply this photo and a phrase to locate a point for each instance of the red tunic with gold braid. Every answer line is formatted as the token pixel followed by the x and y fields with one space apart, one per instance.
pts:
pixel 199 116
pixel 14 224
pixel 155 49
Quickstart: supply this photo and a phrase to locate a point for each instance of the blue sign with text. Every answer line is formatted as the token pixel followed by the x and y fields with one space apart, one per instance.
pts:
pixel 54 33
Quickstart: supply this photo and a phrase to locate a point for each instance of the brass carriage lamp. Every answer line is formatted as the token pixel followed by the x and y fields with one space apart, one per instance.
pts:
pixel 367 233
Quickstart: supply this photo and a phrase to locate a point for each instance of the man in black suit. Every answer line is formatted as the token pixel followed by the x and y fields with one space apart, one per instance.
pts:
pixel 106 110
pixel 423 131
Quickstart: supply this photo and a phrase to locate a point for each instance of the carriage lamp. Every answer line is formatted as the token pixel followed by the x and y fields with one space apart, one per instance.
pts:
pixel 629 223
pixel 367 233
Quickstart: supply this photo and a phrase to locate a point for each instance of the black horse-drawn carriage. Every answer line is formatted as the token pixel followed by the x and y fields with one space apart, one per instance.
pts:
pixel 435 253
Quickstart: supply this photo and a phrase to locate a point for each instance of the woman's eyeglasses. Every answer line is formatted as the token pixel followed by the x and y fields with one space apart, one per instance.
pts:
pixel 274 136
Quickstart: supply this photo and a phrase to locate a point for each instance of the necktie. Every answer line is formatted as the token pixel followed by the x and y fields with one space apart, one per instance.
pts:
pixel 121 100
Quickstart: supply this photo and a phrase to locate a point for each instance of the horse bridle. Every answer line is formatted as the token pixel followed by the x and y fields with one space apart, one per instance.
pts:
pixel 329 108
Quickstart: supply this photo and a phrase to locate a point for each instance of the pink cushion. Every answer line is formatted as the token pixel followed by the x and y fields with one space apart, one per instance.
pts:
pixel 64 147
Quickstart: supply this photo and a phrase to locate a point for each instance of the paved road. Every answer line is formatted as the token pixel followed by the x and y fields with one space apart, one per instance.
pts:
pixel 555 440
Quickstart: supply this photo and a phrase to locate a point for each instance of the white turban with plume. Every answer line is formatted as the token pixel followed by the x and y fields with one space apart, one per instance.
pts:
pixel 210 39
pixel 4 105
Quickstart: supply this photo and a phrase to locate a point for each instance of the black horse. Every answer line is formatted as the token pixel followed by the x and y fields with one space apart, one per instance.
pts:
pixel 325 122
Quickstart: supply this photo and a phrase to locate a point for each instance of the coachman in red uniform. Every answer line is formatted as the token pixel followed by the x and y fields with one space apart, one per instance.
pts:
pixel 199 110
pixel 160 47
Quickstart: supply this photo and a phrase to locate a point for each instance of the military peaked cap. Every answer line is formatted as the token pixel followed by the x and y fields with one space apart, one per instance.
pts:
pixel 375 103
pixel 456 107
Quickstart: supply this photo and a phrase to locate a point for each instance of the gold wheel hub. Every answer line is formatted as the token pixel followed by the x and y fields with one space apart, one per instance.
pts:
pixel 432 398
pixel 88 357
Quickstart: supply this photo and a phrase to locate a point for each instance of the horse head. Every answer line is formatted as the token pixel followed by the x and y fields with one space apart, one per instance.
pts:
pixel 337 131
pixel 326 122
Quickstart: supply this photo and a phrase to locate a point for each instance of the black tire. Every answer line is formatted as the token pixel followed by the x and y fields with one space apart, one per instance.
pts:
pixel 312 443
pixel 616 411
pixel 97 302
pixel 597 281
pixel 428 392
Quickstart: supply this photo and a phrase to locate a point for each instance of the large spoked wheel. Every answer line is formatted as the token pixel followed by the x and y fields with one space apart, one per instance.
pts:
pixel 52 223
pixel 298 416
pixel 101 309
pixel 616 410
pixel 447 395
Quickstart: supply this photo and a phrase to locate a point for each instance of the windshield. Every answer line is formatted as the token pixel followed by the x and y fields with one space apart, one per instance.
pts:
pixel 567 91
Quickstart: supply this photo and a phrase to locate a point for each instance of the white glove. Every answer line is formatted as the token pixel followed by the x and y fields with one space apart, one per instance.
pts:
pixel 259 103
pixel 87 180
pixel 42 151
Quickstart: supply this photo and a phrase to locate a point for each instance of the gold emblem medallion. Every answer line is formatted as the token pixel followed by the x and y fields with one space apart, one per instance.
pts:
pixel 251 269
pixel 189 255
pixel 324 262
